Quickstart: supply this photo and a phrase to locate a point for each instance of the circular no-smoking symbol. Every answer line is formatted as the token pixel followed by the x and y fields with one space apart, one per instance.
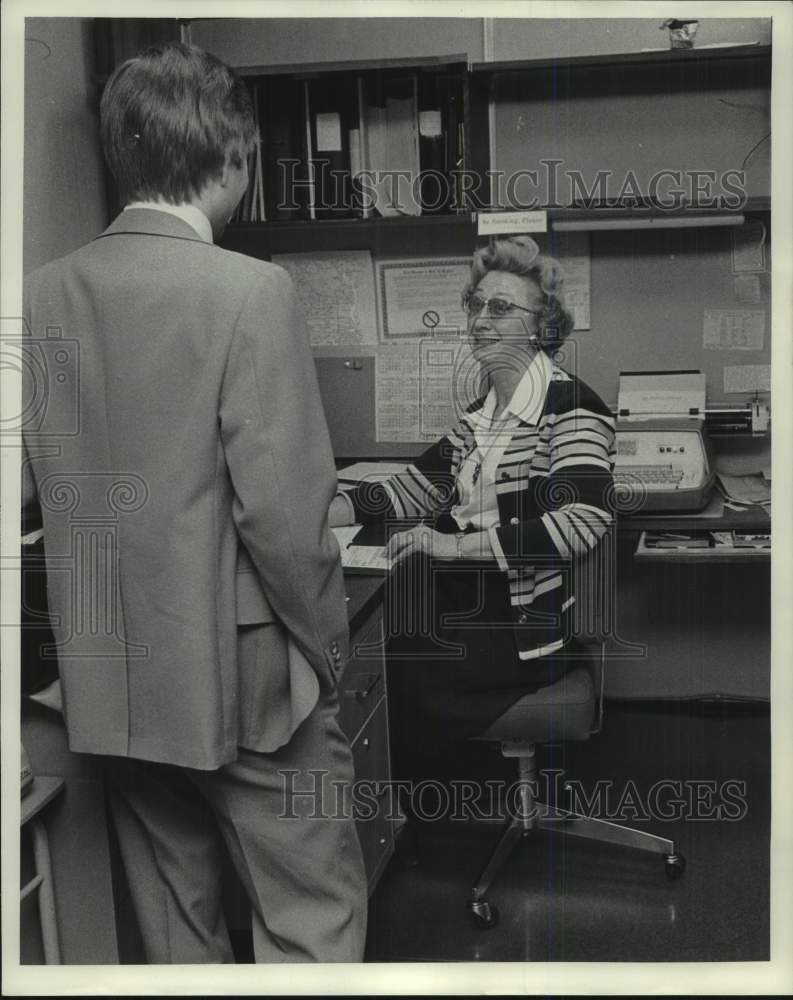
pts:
pixel 430 319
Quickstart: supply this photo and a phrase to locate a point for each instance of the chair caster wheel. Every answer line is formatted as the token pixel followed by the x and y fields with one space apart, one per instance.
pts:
pixel 483 916
pixel 675 865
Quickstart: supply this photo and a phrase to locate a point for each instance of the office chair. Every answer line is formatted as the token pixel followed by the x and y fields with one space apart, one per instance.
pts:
pixel 570 709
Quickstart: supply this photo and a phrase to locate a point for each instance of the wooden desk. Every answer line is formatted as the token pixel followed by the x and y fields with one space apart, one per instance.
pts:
pixel 752 519
pixel 704 623
pixel 704 619
pixel 363 715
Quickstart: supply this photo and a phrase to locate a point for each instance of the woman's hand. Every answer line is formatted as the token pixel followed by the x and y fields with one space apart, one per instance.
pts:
pixel 424 539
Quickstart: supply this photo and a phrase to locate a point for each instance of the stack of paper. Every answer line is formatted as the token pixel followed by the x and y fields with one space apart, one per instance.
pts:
pixel 370 472
pixel 360 558
pixel 745 491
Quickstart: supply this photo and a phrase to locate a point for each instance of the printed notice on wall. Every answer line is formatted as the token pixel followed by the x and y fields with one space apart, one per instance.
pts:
pixel 397 394
pixel 449 381
pixel 419 296
pixel 746 288
pixel 733 329
pixel 336 293
pixel 747 378
pixel 748 247
pixel 422 388
pixel 577 281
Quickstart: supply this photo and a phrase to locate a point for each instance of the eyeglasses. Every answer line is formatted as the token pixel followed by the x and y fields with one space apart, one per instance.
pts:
pixel 497 307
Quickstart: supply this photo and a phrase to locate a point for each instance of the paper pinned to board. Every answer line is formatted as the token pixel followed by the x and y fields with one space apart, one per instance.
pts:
pixel 495 223
pixel 397 395
pixel 336 292
pixel 748 247
pixel 420 294
pixel 733 329
pixel 421 390
pixel 576 263
pixel 746 288
pixel 644 395
pixel 747 378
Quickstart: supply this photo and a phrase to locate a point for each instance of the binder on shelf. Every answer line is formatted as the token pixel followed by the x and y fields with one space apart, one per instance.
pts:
pixel 402 143
pixel 360 188
pixel 391 144
pixel 336 145
pixel 284 159
pixel 455 146
pixel 434 187
pixel 332 113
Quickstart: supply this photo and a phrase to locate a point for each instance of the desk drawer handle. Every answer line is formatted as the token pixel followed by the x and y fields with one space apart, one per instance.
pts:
pixel 361 694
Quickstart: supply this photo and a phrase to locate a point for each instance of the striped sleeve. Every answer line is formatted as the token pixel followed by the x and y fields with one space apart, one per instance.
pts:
pixel 573 510
pixel 425 489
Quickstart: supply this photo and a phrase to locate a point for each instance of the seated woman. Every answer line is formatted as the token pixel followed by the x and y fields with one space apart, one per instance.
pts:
pixel 479 604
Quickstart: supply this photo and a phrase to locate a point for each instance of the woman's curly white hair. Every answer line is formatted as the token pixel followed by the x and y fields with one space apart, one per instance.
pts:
pixel 521 255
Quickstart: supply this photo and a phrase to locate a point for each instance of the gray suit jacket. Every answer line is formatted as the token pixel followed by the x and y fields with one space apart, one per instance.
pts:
pixel 178 448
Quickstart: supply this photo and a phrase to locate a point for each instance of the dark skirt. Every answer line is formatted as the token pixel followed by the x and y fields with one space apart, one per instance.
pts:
pixel 453 666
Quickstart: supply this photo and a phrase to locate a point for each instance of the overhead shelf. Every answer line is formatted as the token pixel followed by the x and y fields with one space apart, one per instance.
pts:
pixel 620 60
pixel 647 215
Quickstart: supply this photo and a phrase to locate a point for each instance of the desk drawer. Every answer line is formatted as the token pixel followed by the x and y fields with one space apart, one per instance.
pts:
pixel 372 771
pixel 363 681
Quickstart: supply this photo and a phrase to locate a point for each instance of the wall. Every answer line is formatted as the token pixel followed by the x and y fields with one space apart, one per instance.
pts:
pixel 699 116
pixel 539 38
pixel 648 297
pixel 284 41
pixel 64 188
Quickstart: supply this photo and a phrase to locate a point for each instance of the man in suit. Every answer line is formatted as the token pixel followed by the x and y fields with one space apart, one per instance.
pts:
pixel 183 468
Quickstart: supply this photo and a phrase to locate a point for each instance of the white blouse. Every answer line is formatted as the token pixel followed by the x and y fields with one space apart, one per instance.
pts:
pixel 476 480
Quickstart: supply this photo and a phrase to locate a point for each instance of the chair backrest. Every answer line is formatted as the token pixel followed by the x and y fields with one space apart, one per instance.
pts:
pixel 594 584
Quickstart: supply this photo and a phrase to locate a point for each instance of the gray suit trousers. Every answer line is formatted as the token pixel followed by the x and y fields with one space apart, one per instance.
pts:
pixel 287 827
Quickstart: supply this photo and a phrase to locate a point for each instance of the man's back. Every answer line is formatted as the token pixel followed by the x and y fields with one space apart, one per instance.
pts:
pixel 178 348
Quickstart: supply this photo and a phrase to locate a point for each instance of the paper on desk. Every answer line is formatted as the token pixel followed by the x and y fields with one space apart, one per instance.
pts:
pixel 345 535
pixel 745 489
pixel 369 558
pixel 645 395
pixel 370 471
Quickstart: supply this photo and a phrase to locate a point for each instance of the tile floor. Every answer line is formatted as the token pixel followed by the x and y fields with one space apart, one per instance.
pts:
pixel 581 901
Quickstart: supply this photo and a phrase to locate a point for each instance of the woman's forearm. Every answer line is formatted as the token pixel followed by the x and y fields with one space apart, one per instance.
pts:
pixel 340 512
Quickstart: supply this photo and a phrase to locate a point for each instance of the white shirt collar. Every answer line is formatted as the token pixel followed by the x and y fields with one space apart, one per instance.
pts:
pixel 528 398
pixel 193 216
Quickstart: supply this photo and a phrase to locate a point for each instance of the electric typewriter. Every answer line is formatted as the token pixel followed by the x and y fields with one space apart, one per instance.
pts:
pixel 664 457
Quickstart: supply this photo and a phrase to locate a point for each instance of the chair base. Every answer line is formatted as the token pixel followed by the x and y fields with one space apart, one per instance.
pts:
pixel 543 817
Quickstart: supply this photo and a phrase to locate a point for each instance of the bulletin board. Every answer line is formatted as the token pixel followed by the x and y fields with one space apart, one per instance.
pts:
pixel 649 295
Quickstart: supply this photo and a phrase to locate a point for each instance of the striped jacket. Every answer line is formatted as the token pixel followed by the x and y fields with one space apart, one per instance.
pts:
pixel 554 492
